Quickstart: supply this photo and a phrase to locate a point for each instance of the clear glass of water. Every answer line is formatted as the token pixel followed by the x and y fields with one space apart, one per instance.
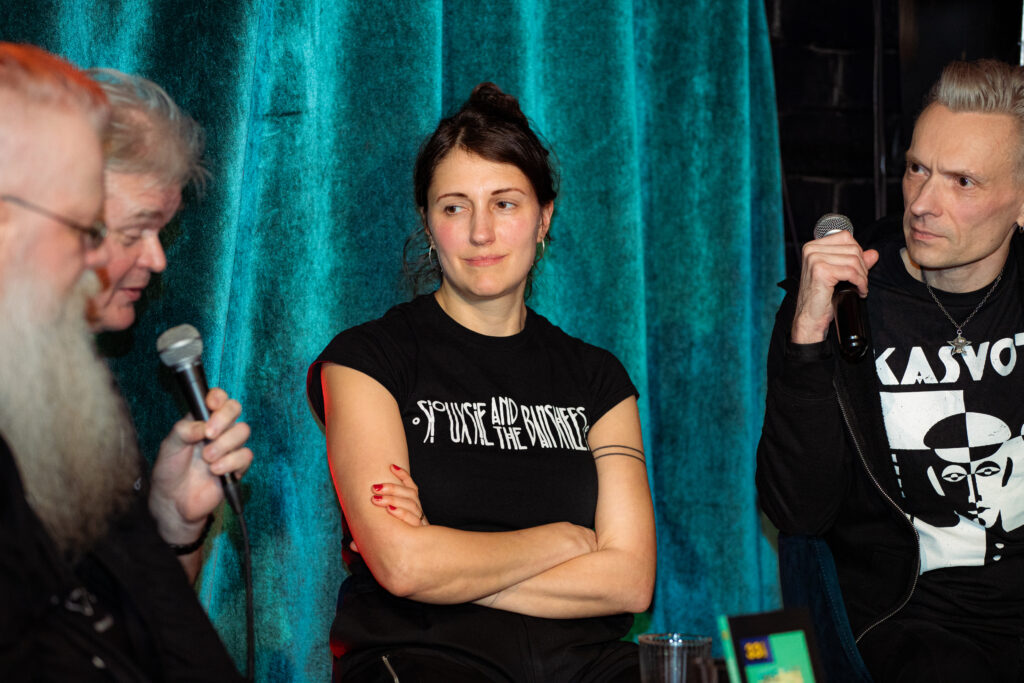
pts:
pixel 676 658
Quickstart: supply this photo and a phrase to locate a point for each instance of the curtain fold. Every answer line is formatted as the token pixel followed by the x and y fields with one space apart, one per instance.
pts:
pixel 667 246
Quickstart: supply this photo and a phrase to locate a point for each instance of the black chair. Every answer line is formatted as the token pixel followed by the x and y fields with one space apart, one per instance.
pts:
pixel 808 576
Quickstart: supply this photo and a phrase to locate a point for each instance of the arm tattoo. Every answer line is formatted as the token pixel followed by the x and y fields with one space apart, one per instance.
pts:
pixel 619 449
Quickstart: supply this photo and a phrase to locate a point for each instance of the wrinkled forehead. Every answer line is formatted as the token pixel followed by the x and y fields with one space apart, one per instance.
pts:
pixel 970 136
pixel 145 197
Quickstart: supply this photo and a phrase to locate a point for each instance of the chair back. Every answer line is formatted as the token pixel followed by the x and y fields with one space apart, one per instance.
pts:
pixel 808 576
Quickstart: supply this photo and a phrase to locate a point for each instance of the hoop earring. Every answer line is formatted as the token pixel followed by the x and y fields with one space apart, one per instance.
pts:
pixel 432 258
pixel 543 247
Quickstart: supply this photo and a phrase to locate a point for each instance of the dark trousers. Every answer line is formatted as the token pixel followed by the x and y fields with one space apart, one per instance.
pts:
pixel 619 664
pixel 910 648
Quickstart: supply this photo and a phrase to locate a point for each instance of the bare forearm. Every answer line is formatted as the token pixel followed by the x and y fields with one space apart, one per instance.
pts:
pixel 618 576
pixel 441 565
pixel 596 584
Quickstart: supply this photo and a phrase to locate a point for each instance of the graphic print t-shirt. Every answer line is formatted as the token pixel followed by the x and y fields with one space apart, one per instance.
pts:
pixel 496 429
pixel 954 425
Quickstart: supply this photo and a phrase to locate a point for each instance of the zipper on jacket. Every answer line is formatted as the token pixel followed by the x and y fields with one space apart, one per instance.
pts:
pixel 903 515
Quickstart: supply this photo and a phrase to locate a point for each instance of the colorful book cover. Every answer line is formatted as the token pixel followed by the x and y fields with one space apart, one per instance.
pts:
pixel 772 647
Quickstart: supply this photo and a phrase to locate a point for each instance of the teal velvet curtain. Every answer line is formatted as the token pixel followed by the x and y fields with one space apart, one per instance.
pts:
pixel 667 245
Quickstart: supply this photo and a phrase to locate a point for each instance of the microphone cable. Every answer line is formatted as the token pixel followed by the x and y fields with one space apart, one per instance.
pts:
pixel 231 494
pixel 181 349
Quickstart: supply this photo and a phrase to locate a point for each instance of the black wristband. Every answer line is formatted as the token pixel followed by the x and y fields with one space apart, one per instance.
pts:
pixel 195 545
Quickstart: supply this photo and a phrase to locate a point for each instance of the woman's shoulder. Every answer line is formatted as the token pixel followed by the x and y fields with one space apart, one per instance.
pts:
pixel 384 348
pixel 601 374
pixel 551 334
pixel 596 362
pixel 397 325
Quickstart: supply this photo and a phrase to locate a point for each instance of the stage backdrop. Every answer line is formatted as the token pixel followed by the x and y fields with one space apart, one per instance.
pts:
pixel 667 246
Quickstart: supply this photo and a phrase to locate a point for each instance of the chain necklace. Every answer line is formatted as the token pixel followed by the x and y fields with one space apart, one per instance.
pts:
pixel 959 343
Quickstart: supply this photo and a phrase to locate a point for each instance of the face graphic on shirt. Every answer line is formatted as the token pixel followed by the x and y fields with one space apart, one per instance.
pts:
pixel 957 461
pixel 978 466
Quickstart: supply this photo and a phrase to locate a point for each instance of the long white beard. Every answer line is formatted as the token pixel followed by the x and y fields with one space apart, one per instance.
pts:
pixel 60 413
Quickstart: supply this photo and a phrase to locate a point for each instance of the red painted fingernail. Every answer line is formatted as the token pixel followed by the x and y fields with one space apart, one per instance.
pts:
pixel 392 507
pixel 377 487
pixel 396 468
pixel 378 498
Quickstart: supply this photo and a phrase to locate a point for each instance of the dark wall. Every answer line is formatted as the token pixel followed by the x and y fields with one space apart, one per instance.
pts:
pixel 933 33
pixel 824 64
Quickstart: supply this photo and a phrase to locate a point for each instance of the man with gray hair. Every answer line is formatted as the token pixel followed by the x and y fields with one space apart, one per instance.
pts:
pixel 89 587
pixel 153 151
pixel 904 460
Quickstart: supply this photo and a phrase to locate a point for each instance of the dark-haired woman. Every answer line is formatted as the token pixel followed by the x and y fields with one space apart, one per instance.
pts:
pixel 490 468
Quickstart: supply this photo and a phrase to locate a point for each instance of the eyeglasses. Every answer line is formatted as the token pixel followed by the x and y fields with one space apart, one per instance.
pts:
pixel 94 233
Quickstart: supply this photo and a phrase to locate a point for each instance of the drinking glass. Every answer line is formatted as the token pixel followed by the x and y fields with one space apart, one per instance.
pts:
pixel 676 658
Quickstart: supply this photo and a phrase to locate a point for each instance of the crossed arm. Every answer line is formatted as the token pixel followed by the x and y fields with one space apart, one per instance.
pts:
pixel 557 570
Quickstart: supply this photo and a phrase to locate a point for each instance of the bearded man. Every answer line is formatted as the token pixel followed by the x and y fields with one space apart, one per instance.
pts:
pixel 90 588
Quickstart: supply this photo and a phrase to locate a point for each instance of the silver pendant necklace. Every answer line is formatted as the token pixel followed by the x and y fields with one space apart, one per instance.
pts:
pixel 959 343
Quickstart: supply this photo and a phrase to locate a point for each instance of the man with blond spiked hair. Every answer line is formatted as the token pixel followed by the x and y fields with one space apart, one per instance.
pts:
pixel 909 460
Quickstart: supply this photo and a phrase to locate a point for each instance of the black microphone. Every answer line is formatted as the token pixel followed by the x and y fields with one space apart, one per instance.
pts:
pixel 181 349
pixel 849 312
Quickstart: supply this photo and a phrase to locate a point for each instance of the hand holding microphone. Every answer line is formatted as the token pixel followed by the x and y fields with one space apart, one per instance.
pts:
pixel 833 281
pixel 185 479
pixel 181 349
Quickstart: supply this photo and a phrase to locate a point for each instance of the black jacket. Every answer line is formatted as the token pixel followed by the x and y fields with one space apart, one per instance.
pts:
pixel 50 629
pixel 822 431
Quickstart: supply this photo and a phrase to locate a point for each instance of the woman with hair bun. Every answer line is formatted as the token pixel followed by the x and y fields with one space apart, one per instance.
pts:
pixel 498 523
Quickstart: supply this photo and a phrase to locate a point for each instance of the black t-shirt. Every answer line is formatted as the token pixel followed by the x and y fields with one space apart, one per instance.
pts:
pixel 496 430
pixel 954 425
